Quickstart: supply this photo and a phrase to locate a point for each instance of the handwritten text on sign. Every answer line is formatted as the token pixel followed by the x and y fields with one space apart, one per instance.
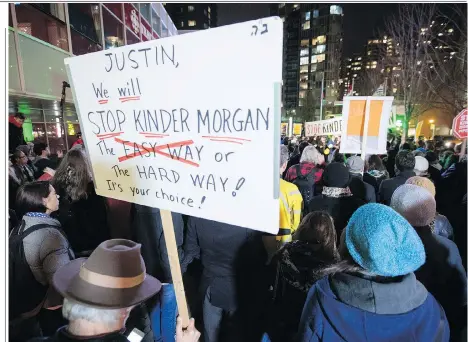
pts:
pixel 185 123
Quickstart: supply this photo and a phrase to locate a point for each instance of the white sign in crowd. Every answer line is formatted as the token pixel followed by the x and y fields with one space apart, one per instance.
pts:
pixel 324 127
pixel 179 123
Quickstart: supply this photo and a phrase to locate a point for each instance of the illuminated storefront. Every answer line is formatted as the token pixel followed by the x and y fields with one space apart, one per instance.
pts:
pixel 41 35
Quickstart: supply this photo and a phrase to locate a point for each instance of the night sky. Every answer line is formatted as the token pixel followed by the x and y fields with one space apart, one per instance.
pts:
pixel 361 21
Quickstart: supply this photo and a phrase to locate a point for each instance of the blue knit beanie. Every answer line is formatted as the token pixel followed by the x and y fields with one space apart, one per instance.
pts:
pixel 382 242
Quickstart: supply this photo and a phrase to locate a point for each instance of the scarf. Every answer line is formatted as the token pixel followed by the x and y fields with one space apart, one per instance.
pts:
pixel 336 192
pixel 11 119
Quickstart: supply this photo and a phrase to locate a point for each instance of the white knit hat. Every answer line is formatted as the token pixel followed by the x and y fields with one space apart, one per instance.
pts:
pixel 421 166
pixel 414 203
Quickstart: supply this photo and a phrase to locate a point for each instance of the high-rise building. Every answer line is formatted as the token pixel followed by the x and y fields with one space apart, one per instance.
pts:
pixel 313 35
pixel 193 16
pixel 42 35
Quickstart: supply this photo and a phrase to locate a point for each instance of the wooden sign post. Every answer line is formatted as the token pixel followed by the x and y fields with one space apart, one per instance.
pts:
pixel 174 263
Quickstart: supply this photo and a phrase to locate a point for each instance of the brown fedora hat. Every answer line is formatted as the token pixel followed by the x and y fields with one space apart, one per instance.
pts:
pixel 114 276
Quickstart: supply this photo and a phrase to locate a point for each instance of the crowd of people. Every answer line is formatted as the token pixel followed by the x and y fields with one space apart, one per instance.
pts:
pixel 367 250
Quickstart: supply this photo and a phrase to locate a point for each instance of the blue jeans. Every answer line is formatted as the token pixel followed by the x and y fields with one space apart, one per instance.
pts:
pixel 164 315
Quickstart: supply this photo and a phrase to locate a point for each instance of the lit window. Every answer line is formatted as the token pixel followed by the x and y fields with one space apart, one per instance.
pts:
pixel 316 14
pixel 304 52
pixel 306 25
pixel 369 53
pixel 303 85
pixel 304 42
pixel 313 67
pixel 192 23
pixel 209 9
pixel 304 69
pixel 321 48
pixel 181 24
pixel 317 58
pixel 305 60
pixel 440 34
pixel 307 16
pixel 374 66
pixel 190 8
pixel 336 10
pixel 319 40
pixel 359 58
pixel 450 30
pixel 302 94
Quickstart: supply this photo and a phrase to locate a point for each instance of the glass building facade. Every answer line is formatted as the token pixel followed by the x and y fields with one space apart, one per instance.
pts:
pixel 42 35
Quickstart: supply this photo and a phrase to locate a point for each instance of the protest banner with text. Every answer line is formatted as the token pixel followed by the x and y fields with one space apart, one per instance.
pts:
pixel 182 122
pixel 323 127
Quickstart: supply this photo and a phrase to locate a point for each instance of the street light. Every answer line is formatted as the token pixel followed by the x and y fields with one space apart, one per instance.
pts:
pixel 432 127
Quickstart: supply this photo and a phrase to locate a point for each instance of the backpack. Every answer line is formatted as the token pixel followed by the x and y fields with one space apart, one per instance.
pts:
pixel 25 292
pixel 306 186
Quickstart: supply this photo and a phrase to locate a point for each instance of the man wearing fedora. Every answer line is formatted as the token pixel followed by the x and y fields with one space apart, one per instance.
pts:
pixel 100 291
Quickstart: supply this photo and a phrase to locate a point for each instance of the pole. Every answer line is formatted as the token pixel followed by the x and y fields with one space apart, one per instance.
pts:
pixel 352 87
pixel 366 128
pixel 463 148
pixel 321 97
pixel 385 87
pixel 174 263
pixel 65 85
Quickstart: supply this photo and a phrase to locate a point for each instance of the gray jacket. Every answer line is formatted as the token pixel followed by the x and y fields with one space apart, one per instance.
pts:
pixel 46 250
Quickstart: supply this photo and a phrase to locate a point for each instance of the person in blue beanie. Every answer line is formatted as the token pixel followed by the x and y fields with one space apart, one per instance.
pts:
pixel 372 294
pixel 443 273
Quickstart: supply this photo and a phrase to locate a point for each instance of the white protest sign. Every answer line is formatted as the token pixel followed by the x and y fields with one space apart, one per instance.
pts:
pixel 323 127
pixel 365 124
pixel 185 123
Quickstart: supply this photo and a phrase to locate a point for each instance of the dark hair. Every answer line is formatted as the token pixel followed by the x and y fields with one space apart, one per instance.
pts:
pixel 430 145
pixel 431 156
pixel 38 148
pixel 16 156
pixel 375 163
pixel 30 198
pixel 318 230
pixel 421 143
pixel 302 146
pixel 20 116
pixel 405 146
pixel 72 177
pixel 405 160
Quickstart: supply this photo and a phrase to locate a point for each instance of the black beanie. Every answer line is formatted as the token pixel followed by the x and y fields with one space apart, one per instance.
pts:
pixel 336 175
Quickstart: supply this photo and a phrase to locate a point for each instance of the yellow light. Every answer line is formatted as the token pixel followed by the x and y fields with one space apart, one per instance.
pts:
pixel 431 121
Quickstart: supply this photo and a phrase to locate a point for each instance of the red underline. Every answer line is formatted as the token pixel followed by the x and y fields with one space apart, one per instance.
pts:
pixel 129 98
pixel 108 134
pixel 219 137
pixel 230 141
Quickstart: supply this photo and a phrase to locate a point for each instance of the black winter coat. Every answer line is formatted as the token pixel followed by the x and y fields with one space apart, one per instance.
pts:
pixel 84 221
pixel 341 209
pixel 388 187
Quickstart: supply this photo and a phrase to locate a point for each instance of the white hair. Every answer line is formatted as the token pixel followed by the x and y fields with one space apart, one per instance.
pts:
pixel 284 155
pixel 74 311
pixel 311 155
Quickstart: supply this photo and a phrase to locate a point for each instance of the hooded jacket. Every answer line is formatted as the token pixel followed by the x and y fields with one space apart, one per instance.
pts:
pixel 346 307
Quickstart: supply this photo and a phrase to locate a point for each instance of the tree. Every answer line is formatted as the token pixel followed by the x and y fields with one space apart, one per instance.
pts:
pixel 409 59
pixel 310 103
pixel 447 52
